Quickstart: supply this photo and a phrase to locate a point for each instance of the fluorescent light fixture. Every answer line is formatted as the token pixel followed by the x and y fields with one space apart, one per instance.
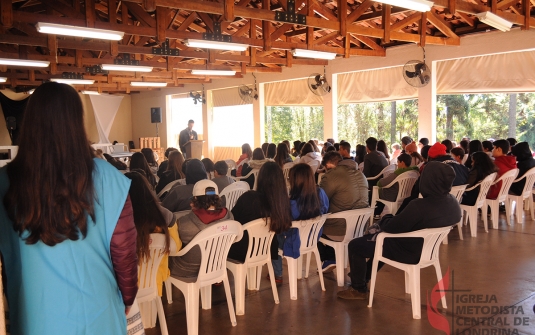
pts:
pixel 495 21
pixel 213 72
pixel 215 45
pixel 118 67
pixel 90 92
pixel 147 84
pixel 73 81
pixel 3 79
pixel 24 62
pixel 61 29
pixel 313 54
pixel 418 5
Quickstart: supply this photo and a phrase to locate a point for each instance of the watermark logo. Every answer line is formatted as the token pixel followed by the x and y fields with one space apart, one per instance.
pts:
pixel 436 319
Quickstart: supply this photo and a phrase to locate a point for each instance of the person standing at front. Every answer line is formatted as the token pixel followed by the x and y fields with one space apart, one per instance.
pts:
pixel 187 135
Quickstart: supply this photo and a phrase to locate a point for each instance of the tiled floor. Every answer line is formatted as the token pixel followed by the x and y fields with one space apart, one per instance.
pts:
pixel 497 267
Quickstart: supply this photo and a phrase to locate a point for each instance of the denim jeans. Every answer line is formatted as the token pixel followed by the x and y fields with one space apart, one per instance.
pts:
pixel 277 263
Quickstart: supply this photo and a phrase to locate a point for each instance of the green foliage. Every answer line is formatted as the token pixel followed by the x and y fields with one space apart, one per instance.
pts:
pixel 293 123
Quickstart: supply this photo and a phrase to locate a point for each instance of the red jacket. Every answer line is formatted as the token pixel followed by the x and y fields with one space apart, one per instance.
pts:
pixel 504 164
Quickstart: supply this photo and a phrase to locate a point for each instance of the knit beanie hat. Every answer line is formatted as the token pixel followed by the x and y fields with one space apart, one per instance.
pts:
pixel 438 149
pixel 411 147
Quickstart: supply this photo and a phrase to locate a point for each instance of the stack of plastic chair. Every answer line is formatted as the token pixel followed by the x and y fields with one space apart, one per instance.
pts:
pixel 405 183
pixel 214 243
pixel 507 180
pixel 526 196
pixel 258 254
pixel 355 224
pixel 233 192
pixel 457 192
pixel 147 295
pixel 432 240
pixel 471 211
pixel 308 233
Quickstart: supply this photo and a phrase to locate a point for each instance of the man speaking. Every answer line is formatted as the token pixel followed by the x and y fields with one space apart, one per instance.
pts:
pixel 187 135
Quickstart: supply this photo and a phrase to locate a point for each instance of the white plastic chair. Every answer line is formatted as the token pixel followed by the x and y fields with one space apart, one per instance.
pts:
pixel 258 254
pixel 471 211
pixel 214 243
pixel 147 295
pixel 231 166
pixel 315 164
pixel 355 223
pixel 167 187
pixel 432 240
pixel 308 233
pixel 286 170
pixel 252 172
pixel 457 192
pixel 526 196
pixel 389 169
pixel 507 180
pixel 320 176
pixel 233 192
pixel 405 183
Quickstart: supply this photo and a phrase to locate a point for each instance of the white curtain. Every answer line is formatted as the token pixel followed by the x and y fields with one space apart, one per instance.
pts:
pixel 105 108
pixel 511 72
pixel 374 85
pixel 291 93
pixel 227 97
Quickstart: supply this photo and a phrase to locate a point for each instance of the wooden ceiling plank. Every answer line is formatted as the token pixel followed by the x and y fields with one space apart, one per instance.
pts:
pixel 242 30
pixel 280 31
pixel 289 58
pixel 188 23
pixel 62 8
pixel 207 20
pixel 342 16
pixel 252 55
pixel 323 11
pixel 356 13
pixel 493 4
pixel 90 15
pixel 326 38
pixel 309 37
pixel 440 25
pixel 409 20
pixel 161 23
pixel 78 58
pixel 369 42
pixel 423 29
pixel 243 3
pixel 385 22
pixel 140 14
pixel 526 7
pixel 149 5
pixel 468 20
pixel 506 4
pixel 112 11
pixel 365 31
pixel 228 14
pixel 6 13
pixel 452 6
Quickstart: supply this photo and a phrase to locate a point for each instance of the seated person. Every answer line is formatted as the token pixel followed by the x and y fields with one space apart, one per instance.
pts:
pixel 255 163
pixel 482 166
pixel 163 166
pixel 179 196
pixel 206 210
pixel 503 162
pixel 374 161
pixel 173 171
pixel 525 162
pixel 438 208
pixel 220 175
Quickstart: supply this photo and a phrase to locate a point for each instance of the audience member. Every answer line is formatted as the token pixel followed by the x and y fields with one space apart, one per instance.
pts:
pixel 448 144
pixel 359 156
pixel 283 156
pixel 206 211
pixel 264 148
pixel 396 151
pixel 100 154
pixel 458 154
pixel 308 154
pixel 482 166
pixel 512 142
pixel 405 140
pixel 437 208
pixel 220 175
pixel 374 161
pixel 246 155
pixel 425 152
pixel 525 162
pixel 67 234
pixel 382 147
pixel 412 150
pixel 347 160
pixel 438 153
pixel 464 145
pixel 503 162
pixel 336 146
pixel 255 163
pixel 208 166
pixel 271 151
pixel 473 146
pixel 174 170
pixel 151 160
pixel 423 142
pixel 163 165
pixel 116 163
pixel 179 196
pixel 487 148
pixel 295 149
pixel 138 161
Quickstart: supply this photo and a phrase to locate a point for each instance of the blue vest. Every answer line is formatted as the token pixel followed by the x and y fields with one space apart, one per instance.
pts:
pixel 69 288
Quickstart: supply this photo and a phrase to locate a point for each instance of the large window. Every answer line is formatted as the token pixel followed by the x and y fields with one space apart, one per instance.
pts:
pixel 233 126
pixel 293 123
pixel 182 110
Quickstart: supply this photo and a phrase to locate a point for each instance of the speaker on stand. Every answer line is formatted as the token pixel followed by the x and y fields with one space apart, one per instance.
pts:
pixel 156 117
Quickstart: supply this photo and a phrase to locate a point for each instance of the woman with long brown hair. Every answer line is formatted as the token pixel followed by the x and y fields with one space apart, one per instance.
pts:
pixel 67 233
pixel 138 161
pixel 173 172
pixel 283 155
pixel 270 200
pixel 246 155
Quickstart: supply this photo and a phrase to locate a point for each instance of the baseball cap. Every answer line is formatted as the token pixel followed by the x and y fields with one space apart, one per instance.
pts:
pixel 205 187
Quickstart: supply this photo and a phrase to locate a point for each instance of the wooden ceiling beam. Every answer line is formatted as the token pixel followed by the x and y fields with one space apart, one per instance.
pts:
pixel 326 38
pixel 62 8
pixel 280 31
pixel 467 19
pixel 441 25
pixel 322 10
pixel 356 13
pixel 506 4
pixel 370 43
pixel 207 20
pixel 385 22
pixel 409 20
pixel 6 13
pixel 140 14
pixel 242 30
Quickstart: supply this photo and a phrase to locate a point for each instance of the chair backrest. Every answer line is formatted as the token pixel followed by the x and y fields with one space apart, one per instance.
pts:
pixel 231 166
pixel 433 238
pixel 356 220
pixel 507 180
pixel 255 173
pixel 484 186
pixel 315 164
pixel 286 170
pixel 406 182
pixel 457 191
pixel 320 176
pixel 308 232
pixel 214 243
pixel 259 242
pixel 530 181
pixel 148 268
pixel 233 192
pixel 167 187
pixel 389 169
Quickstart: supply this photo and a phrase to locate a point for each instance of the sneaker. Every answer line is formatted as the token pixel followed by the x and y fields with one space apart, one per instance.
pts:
pixel 328 266
pixel 352 294
pixel 278 280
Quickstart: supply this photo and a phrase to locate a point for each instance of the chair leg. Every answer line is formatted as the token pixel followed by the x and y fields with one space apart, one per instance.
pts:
pixel 460 228
pixel 472 219
pixel 415 292
pixel 340 264
pixel 407 283
pixel 300 267
pixel 372 281
pixel 169 291
pixel 307 264
pixel 229 302
pixel 318 263
pixel 251 279
pixel 292 276
pixel 445 241
pixel 259 276
pixel 272 280
pixel 192 309
pixel 509 208
pixel 161 317
pixel 518 208
pixel 531 206
pixel 239 288
pixel 440 283
pixel 206 297
pixel 494 208
pixel 484 211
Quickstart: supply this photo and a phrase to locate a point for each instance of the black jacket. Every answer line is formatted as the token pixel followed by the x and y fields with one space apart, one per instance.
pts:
pixel 525 162
pixel 438 208
pixel 184 138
